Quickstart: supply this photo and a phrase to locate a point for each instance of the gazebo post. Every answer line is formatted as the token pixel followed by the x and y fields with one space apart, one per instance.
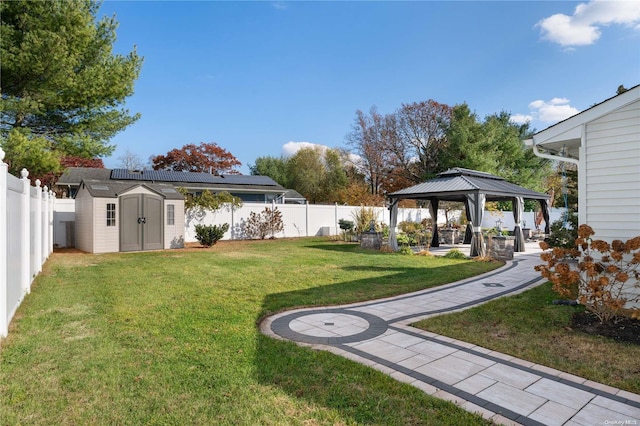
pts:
pixel 433 211
pixel 517 204
pixel 476 202
pixel 468 232
pixel 393 221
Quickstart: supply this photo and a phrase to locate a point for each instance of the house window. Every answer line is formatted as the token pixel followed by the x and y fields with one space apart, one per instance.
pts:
pixel 171 217
pixel 111 214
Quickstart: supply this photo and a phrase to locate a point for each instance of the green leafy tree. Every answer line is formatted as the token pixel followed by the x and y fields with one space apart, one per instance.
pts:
pixel 466 145
pixel 274 167
pixel 318 176
pixel 496 146
pixel 60 81
pixel 33 153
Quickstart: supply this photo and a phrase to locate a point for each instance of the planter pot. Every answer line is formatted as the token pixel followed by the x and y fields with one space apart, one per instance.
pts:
pixel 500 247
pixel 371 240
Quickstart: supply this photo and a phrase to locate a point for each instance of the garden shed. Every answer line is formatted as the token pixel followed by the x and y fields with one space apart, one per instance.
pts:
pixel 112 217
pixel 474 189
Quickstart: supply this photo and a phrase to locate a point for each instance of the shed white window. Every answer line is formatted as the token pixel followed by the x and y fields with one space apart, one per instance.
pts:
pixel 111 214
pixel 171 216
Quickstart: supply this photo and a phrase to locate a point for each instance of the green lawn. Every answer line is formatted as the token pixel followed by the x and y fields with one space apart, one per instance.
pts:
pixel 171 338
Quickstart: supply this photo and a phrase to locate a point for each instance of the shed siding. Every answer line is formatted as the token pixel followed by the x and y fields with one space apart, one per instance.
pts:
pixel 84 222
pixel 612 172
pixel 174 234
pixel 139 190
pixel 106 238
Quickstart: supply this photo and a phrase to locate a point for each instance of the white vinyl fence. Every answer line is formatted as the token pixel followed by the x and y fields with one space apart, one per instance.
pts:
pixel 26 238
pixel 300 220
pixel 305 220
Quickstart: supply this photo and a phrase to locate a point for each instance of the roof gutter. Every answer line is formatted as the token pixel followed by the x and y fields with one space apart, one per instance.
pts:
pixel 538 153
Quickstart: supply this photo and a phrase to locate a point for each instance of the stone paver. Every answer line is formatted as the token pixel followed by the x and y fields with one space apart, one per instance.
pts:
pixel 499 387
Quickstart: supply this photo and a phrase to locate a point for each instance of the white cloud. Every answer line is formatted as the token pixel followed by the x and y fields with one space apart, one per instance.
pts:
pixel 584 26
pixel 521 118
pixel 290 148
pixel 557 109
pixel 279 5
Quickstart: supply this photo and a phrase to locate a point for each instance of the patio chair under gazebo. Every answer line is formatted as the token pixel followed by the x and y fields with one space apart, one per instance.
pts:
pixel 474 189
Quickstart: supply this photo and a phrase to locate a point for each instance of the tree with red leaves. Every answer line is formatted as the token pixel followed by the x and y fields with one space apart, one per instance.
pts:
pixel 206 157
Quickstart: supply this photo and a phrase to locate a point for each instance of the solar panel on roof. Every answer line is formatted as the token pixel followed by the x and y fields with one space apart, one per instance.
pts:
pixel 248 180
pixel 189 177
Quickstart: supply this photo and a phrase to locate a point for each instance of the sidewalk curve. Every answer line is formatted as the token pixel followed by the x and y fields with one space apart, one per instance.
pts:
pixel 499 387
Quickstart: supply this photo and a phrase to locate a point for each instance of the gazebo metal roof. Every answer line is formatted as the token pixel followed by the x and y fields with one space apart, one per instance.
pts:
pixel 454 184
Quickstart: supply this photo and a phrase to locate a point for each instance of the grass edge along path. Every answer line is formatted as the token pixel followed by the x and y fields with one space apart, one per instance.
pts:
pixel 170 337
pixel 530 327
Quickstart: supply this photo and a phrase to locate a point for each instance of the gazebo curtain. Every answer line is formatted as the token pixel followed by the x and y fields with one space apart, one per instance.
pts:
pixel 393 221
pixel 476 203
pixel 433 211
pixel 545 205
pixel 518 210
pixel 468 232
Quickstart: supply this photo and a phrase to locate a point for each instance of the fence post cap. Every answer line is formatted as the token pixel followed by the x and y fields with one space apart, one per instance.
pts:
pixel 38 183
pixel 24 173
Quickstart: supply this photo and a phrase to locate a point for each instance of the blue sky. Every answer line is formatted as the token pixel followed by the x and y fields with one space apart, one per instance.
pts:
pixel 264 78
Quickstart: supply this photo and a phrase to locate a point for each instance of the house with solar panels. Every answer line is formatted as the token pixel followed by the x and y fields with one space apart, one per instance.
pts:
pixel 256 189
pixel 122 210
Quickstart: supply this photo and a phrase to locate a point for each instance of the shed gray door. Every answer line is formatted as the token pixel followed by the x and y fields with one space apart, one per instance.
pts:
pixel 141 222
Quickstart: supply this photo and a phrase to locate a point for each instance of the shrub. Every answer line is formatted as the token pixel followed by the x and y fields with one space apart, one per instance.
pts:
pixel 602 275
pixel 455 254
pixel 347 228
pixel 406 250
pixel 561 235
pixel 402 239
pixel 267 222
pixel 208 235
pixel 409 227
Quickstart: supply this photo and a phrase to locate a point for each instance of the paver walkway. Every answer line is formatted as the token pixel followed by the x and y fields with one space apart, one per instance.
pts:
pixel 500 387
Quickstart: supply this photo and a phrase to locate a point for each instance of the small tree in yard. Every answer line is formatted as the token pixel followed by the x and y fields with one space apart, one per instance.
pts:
pixel 603 277
pixel 260 225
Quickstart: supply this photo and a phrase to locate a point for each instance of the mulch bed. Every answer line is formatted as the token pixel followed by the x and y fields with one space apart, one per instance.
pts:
pixel 623 330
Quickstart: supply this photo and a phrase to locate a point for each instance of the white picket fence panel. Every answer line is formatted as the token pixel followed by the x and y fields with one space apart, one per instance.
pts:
pixel 26 238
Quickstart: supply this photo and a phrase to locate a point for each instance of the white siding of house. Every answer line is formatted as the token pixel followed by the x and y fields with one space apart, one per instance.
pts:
pixel 174 234
pixel 84 221
pixel 612 173
pixel 106 239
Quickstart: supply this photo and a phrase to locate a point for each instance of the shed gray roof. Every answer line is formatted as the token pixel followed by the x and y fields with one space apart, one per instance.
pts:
pixel 454 184
pixel 111 189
